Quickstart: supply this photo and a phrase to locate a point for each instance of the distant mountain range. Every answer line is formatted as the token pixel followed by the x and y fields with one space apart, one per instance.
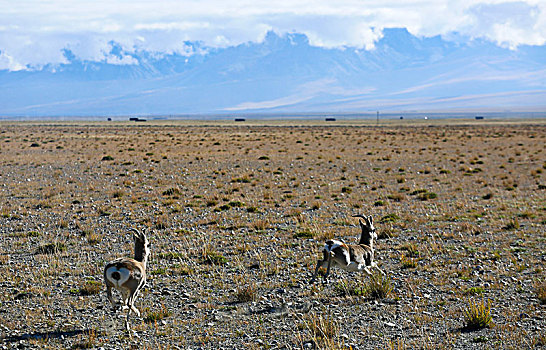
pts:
pixel 284 74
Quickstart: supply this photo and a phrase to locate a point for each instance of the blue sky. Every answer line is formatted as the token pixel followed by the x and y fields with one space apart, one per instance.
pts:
pixel 35 33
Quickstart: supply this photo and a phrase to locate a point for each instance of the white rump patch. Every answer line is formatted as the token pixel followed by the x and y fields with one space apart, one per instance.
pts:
pixel 123 273
pixel 334 245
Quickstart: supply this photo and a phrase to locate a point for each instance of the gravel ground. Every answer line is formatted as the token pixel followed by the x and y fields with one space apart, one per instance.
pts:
pixel 236 217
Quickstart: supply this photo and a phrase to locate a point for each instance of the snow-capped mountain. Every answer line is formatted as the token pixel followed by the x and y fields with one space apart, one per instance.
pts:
pixel 284 74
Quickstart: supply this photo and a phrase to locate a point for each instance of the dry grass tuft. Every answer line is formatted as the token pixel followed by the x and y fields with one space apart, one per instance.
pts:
pixel 477 315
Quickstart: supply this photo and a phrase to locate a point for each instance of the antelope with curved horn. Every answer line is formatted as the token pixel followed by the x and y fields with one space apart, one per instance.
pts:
pixel 128 275
pixel 350 257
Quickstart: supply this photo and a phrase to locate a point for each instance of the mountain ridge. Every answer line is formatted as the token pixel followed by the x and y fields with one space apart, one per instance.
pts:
pixel 285 74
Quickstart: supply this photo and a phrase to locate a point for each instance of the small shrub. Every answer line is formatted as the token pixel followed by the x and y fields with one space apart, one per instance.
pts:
pixel 246 293
pixel 379 203
pixel 345 288
pixel 93 238
pixel 51 248
pixel 477 315
pixel 107 158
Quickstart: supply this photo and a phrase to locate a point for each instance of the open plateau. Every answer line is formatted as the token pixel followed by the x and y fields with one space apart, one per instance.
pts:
pixel 236 215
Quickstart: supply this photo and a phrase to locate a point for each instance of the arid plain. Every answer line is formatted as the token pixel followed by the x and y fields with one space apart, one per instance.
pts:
pixel 237 213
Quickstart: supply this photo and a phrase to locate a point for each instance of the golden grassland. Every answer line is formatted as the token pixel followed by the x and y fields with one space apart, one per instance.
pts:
pixel 237 213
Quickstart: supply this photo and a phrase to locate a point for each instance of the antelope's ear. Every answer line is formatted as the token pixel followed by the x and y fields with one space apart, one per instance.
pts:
pixel 370 220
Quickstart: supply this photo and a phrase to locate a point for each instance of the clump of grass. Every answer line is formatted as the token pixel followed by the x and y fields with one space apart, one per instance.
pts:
pixel 474 291
pixel 408 263
pixel 379 287
pixel 477 315
pixel 252 210
pixel 93 238
pixel 211 202
pixel 90 287
pixel 540 290
pixel 512 225
pixel 244 179
pixel 345 288
pixel 323 328
pixel 162 222
pixel 107 158
pixel 488 196
pixel 412 250
pixel 89 343
pixel 236 204
pixel 51 248
pixel 389 218
pixel 159 271
pixel 397 197
pixel 155 316
pixel 379 203
pixel 248 292
pixel 118 194
pixel 427 195
pixel 212 257
pixel 260 225
pixel 304 234
pixel 173 191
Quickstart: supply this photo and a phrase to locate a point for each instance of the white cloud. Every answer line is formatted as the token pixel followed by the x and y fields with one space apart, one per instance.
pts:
pixel 34 32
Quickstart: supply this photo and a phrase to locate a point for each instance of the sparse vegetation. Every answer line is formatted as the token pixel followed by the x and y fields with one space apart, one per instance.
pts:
pixel 477 315
pixel 240 212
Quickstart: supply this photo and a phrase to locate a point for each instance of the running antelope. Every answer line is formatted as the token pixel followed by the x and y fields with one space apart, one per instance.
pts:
pixel 350 257
pixel 128 275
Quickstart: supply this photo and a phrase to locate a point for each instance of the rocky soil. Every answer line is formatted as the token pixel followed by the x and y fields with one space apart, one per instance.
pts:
pixel 237 215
